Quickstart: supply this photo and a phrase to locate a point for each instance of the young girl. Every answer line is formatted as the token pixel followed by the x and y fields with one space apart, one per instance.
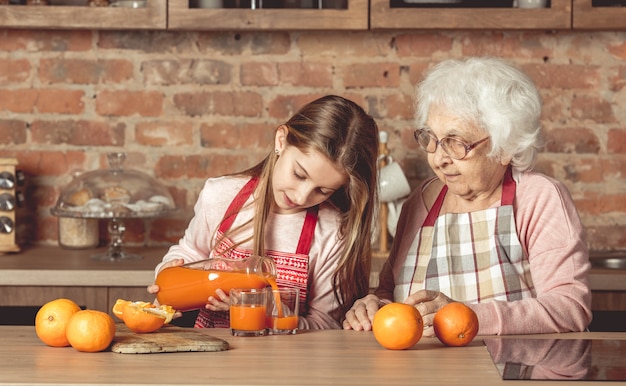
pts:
pixel 308 205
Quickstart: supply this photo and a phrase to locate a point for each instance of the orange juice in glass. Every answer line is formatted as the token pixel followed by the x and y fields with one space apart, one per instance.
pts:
pixel 189 286
pixel 248 311
pixel 282 311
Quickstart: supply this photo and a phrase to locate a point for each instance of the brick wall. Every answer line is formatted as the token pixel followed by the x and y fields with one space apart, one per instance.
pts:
pixel 187 105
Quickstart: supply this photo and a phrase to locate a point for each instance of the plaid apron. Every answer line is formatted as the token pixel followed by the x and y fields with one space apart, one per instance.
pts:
pixel 470 257
pixel 291 268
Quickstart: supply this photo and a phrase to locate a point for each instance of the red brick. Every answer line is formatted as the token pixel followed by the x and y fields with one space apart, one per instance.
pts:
pixel 593 108
pixel 60 101
pixel 247 104
pixel 616 142
pixel 168 230
pixel 345 45
pixel 283 107
pixel 171 72
pixel 566 76
pixel 306 74
pixel 127 103
pixel 618 81
pixel 618 50
pixel 12 132
pixel 84 71
pixel 422 45
pixel 606 237
pixel 164 133
pixel 18 101
pixel 236 43
pixel 259 74
pixel 46 40
pixel 14 70
pixel 78 133
pixel 594 203
pixel 244 136
pixel 370 75
pixel 572 140
pixel 50 163
pixel 171 167
pixel 507 45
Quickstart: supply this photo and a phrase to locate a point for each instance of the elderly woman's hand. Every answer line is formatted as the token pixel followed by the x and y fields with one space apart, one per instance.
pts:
pixel 361 315
pixel 428 303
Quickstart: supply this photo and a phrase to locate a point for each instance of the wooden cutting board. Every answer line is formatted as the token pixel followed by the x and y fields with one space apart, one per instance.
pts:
pixel 167 339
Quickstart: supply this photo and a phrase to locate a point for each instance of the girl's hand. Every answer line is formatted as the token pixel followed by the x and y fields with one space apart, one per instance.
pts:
pixel 428 303
pixel 219 303
pixel 361 315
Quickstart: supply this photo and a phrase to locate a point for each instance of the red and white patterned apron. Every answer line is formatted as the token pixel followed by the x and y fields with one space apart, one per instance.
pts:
pixel 291 268
pixel 470 257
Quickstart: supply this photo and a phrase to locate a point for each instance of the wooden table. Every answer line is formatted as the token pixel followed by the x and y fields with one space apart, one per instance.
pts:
pixel 331 357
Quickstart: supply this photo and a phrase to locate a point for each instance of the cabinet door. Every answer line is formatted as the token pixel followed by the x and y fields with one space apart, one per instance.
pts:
pixel 384 16
pixel 88 297
pixel 153 16
pixel 184 17
pixel 588 16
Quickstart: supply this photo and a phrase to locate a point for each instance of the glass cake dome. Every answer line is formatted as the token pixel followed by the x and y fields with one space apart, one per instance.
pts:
pixel 115 194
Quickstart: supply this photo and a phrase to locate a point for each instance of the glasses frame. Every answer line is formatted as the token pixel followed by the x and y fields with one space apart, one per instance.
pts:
pixel 467 146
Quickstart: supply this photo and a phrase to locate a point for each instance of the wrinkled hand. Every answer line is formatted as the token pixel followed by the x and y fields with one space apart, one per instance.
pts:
pixel 428 303
pixel 361 315
pixel 221 303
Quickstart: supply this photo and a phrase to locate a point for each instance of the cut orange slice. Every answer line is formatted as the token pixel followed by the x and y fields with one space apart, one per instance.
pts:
pixel 143 317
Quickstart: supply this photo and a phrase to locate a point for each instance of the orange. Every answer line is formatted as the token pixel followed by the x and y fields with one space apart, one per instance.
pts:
pixel 397 326
pixel 90 330
pixel 455 324
pixel 51 320
pixel 142 317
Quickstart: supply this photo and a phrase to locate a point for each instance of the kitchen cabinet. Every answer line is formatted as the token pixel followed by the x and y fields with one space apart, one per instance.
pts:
pixel 152 17
pixel 182 17
pixel 586 16
pixel 557 16
pixel 359 15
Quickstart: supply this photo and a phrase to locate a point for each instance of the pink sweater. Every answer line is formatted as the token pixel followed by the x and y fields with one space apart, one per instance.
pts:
pixel 550 231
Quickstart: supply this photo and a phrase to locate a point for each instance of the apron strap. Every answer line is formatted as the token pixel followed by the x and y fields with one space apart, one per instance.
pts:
pixel 237 203
pixel 308 230
pixel 433 213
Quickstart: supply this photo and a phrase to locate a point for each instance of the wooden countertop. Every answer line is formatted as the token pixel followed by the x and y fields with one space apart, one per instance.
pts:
pixel 54 266
pixel 330 357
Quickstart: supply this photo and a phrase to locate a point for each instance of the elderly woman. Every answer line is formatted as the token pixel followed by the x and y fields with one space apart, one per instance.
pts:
pixel 486 231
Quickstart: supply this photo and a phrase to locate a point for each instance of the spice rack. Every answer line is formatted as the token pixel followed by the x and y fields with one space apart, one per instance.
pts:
pixel 9 180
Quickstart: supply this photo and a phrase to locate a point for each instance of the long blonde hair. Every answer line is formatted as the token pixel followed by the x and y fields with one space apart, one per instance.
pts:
pixel 341 130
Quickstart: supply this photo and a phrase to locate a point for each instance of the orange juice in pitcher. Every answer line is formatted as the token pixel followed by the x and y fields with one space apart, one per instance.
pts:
pixel 189 286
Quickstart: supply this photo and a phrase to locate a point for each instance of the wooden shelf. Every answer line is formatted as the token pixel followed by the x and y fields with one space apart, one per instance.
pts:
pixel 558 16
pixel 181 17
pixel 588 17
pixel 153 17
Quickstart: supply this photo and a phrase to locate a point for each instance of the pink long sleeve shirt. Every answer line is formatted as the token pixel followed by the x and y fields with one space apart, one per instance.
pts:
pixel 552 236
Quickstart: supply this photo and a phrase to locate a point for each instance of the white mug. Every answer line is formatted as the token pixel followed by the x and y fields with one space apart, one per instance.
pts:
pixel 532 3
pixel 392 183
pixel 393 212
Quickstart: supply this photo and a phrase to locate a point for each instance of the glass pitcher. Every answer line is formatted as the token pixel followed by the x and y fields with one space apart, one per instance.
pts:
pixel 188 287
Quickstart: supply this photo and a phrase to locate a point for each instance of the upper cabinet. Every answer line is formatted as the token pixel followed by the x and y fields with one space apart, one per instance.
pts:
pixel 451 14
pixel 73 15
pixel 599 14
pixel 316 15
pixel 297 15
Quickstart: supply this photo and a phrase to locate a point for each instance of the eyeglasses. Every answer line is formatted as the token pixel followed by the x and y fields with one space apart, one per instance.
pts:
pixel 455 148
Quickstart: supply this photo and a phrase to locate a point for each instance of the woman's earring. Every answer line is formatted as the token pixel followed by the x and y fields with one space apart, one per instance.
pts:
pixel 277 152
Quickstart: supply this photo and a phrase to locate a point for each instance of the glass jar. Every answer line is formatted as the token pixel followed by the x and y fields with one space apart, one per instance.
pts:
pixel 78 233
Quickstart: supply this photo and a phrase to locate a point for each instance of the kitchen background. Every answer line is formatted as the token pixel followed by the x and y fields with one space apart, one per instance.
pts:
pixel 186 106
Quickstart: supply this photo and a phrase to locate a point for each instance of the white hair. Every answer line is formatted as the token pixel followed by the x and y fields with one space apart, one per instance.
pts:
pixel 493 94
